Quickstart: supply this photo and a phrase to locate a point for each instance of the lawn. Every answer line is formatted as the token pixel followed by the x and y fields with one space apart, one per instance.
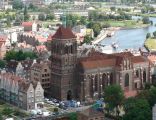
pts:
pixel 151 44
pixel 126 24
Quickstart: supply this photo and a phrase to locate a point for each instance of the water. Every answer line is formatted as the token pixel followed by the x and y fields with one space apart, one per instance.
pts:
pixel 130 38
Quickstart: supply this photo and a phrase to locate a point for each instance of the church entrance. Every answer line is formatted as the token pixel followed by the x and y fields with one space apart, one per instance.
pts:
pixel 69 95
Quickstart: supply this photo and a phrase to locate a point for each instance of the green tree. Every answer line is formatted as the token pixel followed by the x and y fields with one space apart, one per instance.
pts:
pixel 26 16
pixel 148 35
pixel 55 110
pixel 154 34
pixel 41 17
pixel 137 109
pixel 17 4
pixel 2 64
pixel 7 111
pixel 112 8
pixel 73 116
pixel 1 118
pixel 149 95
pixel 87 39
pixel 50 17
pixel 145 20
pixel 113 96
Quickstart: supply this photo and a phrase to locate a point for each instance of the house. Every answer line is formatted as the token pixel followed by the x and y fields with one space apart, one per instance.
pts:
pixel 20 92
pixel 30 26
pixel 5 45
pixel 41 72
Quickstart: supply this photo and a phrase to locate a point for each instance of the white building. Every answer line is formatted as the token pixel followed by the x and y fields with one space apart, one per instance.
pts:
pixel 154 112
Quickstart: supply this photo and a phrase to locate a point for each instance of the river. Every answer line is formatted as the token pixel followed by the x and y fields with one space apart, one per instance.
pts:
pixel 130 38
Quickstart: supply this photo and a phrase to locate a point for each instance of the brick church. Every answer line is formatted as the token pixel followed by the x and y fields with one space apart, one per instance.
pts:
pixel 84 78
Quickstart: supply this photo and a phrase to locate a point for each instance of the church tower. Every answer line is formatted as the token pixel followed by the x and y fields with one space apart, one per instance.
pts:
pixel 63 61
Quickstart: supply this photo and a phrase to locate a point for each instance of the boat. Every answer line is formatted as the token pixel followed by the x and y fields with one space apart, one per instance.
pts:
pixel 110 34
pixel 115 45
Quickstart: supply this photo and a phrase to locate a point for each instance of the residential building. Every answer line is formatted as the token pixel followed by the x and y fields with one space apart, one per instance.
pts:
pixel 85 78
pixel 34 2
pixel 5 45
pixel 6 4
pixel 13 32
pixel 30 26
pixel 154 112
pixel 41 72
pixel 20 92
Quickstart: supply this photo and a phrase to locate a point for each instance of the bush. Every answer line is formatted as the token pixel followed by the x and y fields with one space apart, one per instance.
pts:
pixel 145 20
pixel 148 35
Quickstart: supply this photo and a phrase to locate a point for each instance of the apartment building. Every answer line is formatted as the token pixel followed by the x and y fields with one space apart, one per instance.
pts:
pixel 41 72
pixel 20 92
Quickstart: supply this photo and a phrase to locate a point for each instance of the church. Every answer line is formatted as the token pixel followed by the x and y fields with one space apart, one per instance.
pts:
pixel 84 78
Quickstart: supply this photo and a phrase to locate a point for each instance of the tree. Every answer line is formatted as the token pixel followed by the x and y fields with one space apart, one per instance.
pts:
pixel 148 35
pixel 2 64
pixel 149 95
pixel 113 96
pixel 87 39
pixel 50 17
pixel 7 111
pixel 17 4
pixel 19 55
pixel 154 34
pixel 26 16
pixel 112 8
pixel 136 109
pixel 145 20
pixel 55 110
pixel 73 116
pixel 41 17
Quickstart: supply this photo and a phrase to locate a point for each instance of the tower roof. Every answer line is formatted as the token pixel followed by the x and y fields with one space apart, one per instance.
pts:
pixel 63 33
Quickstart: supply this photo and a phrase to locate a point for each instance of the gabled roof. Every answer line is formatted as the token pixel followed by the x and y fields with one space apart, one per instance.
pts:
pixel 63 33
pixel 27 24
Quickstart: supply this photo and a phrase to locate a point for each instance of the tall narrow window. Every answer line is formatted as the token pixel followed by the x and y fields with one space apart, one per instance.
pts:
pixel 127 80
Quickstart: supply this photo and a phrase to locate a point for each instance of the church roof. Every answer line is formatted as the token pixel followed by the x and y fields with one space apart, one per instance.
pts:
pixel 63 33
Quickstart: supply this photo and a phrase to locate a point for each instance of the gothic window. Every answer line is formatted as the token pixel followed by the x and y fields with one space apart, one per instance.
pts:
pixel 127 80
pixel 104 80
pixel 111 78
pixel 144 76
pixel 96 83
pixel 137 73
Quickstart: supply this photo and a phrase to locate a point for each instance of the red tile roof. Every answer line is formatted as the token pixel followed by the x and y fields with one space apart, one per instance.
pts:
pixel 27 24
pixel 138 59
pixel 63 33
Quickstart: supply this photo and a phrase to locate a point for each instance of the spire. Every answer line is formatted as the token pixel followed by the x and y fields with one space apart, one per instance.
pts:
pixel 64 20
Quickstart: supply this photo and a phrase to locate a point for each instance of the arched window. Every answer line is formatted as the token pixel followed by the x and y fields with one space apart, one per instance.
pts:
pixel 137 73
pixel 104 80
pixel 111 78
pixel 144 76
pixel 127 80
pixel 96 83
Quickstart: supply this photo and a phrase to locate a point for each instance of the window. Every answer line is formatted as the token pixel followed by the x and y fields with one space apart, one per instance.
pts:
pixel 137 73
pixel 127 80
pixel 45 70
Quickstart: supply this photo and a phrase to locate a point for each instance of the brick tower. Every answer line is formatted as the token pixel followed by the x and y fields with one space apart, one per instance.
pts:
pixel 63 61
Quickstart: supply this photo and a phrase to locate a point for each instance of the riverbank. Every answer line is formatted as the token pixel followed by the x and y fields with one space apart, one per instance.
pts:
pixel 126 24
pixel 150 44
pixel 105 33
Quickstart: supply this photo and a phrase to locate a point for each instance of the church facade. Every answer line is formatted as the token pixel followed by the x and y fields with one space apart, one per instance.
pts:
pixel 85 78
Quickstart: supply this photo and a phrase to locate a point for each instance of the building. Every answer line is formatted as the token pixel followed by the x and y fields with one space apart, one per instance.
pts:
pixel 85 78
pixel 34 2
pixel 20 92
pixel 154 112
pixel 5 45
pixel 41 72
pixel 90 114
pixel 6 4
pixel 30 26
